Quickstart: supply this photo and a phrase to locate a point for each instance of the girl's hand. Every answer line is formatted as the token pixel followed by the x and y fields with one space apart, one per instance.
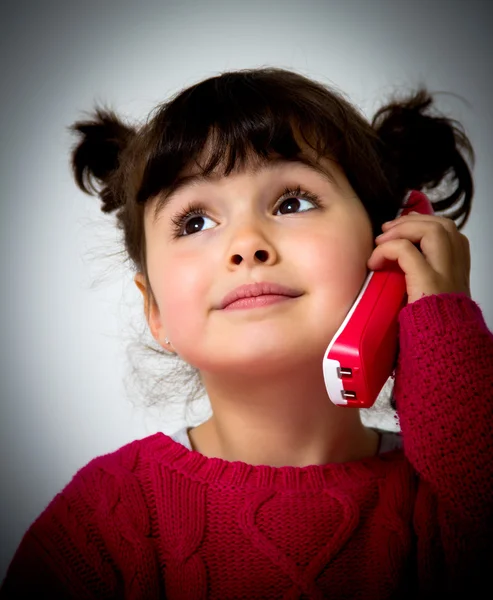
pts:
pixel 442 266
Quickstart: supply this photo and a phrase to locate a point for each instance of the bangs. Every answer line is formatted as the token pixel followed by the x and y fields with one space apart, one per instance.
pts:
pixel 239 120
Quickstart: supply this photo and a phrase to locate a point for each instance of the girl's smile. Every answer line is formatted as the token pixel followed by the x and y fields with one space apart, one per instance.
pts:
pixel 267 291
pixel 258 301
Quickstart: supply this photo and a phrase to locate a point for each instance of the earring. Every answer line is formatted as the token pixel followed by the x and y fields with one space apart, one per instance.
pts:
pixel 166 341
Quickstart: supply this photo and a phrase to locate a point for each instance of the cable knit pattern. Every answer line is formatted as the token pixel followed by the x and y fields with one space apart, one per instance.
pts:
pixel 157 520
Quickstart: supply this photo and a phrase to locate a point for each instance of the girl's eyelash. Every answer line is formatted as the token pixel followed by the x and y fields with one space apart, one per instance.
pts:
pixel 299 193
pixel 193 209
pixel 197 209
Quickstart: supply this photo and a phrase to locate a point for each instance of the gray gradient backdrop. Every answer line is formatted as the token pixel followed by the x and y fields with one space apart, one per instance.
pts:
pixel 65 311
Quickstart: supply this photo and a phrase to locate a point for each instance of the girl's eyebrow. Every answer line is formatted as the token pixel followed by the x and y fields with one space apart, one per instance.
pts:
pixel 188 181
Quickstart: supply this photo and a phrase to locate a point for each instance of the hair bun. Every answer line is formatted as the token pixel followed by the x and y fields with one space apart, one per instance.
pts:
pixel 422 148
pixel 96 158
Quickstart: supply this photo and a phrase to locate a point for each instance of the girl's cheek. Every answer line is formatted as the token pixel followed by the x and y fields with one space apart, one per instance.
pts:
pixel 187 290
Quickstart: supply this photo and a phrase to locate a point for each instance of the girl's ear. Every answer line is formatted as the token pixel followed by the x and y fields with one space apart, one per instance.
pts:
pixel 151 311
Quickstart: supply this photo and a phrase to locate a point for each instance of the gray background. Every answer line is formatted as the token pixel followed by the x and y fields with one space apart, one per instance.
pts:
pixel 66 310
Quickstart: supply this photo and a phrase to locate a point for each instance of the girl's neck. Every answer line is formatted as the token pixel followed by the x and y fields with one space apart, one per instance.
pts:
pixel 280 419
pixel 258 448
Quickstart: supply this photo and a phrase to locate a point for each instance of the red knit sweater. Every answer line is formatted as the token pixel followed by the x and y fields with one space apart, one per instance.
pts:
pixel 156 520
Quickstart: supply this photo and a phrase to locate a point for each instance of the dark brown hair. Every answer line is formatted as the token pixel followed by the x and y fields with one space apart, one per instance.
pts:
pixel 257 112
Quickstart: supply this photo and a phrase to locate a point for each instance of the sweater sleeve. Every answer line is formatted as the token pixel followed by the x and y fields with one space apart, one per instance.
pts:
pixel 64 554
pixel 444 398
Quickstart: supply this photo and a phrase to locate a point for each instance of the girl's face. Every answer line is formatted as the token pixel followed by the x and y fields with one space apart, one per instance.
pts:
pixel 315 239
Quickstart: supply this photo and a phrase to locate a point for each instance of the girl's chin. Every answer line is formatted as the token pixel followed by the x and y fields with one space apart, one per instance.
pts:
pixel 259 362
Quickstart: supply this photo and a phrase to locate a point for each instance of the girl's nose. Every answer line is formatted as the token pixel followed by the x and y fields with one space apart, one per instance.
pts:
pixel 261 256
pixel 252 245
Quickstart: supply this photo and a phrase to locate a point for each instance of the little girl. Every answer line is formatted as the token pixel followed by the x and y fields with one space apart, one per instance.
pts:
pixel 250 204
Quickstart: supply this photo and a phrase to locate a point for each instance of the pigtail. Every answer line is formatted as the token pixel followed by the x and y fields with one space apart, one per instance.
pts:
pixel 97 157
pixel 420 150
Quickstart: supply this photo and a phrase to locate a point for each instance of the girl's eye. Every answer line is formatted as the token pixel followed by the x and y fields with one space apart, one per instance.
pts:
pixel 194 224
pixel 191 219
pixel 291 199
pixel 292 205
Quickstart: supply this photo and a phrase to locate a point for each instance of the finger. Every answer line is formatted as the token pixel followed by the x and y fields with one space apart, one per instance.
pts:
pixel 461 254
pixel 408 257
pixel 434 243
pixel 447 223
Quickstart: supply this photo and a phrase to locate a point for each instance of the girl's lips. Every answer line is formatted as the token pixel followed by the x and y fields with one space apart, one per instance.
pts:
pixel 255 290
pixel 257 301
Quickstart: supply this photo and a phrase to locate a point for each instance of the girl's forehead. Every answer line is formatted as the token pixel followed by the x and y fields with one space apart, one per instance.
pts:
pixel 253 162
pixel 195 175
pixel 246 157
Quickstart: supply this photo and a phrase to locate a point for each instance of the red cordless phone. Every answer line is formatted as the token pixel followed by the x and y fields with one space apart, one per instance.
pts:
pixel 362 354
